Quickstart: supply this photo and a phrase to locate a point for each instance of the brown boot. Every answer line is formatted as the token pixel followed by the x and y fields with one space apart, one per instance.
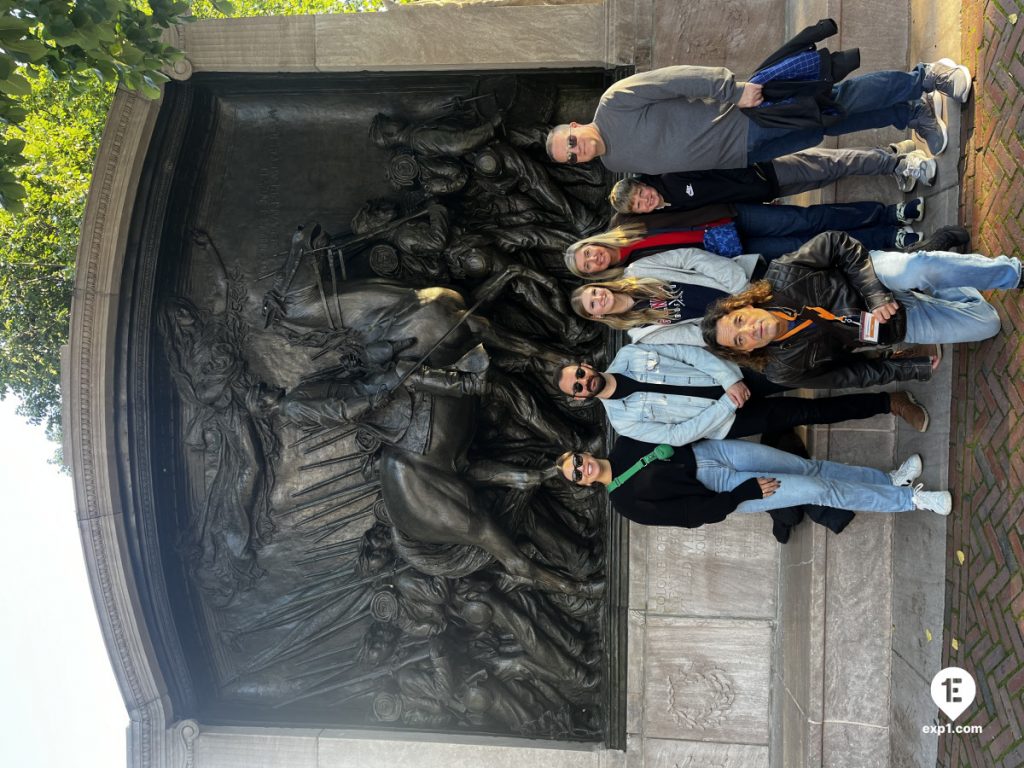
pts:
pixel 905 406
pixel 932 351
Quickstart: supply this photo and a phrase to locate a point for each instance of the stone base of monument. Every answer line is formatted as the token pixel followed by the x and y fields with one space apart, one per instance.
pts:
pixel 861 614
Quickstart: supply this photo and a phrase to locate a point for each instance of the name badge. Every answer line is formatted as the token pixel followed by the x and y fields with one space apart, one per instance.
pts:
pixel 869 328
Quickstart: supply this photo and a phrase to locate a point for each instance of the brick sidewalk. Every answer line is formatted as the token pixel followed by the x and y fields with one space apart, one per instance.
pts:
pixel 985 595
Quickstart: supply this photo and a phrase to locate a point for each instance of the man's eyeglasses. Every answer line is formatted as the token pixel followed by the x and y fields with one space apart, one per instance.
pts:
pixel 577 387
pixel 577 463
pixel 570 156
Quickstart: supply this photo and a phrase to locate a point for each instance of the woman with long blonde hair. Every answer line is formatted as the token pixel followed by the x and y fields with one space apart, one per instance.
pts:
pixel 628 302
pixel 660 299
pixel 599 256
pixel 603 256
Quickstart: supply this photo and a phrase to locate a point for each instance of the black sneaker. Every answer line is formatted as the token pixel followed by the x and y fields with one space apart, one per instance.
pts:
pixel 912 210
pixel 946 239
pixel 907 238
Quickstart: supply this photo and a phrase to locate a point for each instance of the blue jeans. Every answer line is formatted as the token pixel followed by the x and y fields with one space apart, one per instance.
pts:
pixel 939 290
pixel 772 230
pixel 724 464
pixel 875 100
pixel 948 316
pixel 933 270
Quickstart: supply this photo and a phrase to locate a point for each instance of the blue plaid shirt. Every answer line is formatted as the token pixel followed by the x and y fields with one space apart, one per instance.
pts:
pixel 800 66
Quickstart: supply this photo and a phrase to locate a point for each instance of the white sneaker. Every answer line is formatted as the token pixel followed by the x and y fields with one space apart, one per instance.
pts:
pixel 939 502
pixel 901 148
pixel 904 183
pixel 908 471
pixel 914 166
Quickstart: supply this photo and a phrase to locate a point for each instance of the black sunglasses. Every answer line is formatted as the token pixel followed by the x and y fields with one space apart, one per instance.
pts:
pixel 570 157
pixel 577 463
pixel 577 387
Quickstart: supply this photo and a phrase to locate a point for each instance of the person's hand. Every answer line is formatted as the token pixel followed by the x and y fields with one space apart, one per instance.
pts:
pixel 738 393
pixel 751 97
pixel 886 311
pixel 769 485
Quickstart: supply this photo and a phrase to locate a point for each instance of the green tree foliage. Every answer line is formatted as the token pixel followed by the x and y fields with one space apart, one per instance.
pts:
pixel 75 41
pixel 60 135
pixel 205 8
pixel 59 62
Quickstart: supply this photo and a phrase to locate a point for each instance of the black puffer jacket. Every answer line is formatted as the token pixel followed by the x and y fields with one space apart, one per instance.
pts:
pixel 833 271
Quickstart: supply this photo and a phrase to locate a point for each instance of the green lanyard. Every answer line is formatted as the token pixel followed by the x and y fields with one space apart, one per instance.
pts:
pixel 660 453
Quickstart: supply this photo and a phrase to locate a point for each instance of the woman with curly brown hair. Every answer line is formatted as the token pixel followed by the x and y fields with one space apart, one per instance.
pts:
pixel 816 308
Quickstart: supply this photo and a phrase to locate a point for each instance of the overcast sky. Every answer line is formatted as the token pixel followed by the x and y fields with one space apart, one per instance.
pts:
pixel 61 707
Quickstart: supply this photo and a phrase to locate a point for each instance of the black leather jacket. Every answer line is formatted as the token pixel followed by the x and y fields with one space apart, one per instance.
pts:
pixel 834 271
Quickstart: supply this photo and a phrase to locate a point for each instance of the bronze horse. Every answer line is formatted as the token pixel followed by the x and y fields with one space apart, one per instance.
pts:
pixel 429 497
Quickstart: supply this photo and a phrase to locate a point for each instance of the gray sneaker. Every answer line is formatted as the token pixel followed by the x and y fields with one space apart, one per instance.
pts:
pixel 952 238
pixel 905 183
pixel 914 166
pixel 904 147
pixel 949 78
pixel 926 120
pixel 899 149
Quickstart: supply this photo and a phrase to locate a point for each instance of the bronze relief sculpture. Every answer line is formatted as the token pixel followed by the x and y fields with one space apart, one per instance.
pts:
pixel 374 526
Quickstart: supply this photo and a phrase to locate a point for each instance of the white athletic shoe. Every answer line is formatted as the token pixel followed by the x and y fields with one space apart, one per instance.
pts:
pixel 908 471
pixel 915 166
pixel 939 502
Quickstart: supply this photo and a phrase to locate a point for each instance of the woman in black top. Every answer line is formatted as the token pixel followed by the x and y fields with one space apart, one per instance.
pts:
pixel 705 481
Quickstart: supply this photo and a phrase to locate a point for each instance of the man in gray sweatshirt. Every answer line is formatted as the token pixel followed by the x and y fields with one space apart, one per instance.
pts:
pixel 685 118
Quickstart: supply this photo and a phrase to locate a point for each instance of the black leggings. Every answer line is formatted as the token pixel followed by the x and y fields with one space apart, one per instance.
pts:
pixel 767 415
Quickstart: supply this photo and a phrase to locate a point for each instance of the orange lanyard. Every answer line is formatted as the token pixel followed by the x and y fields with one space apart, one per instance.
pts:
pixel 823 313
pixel 789 318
